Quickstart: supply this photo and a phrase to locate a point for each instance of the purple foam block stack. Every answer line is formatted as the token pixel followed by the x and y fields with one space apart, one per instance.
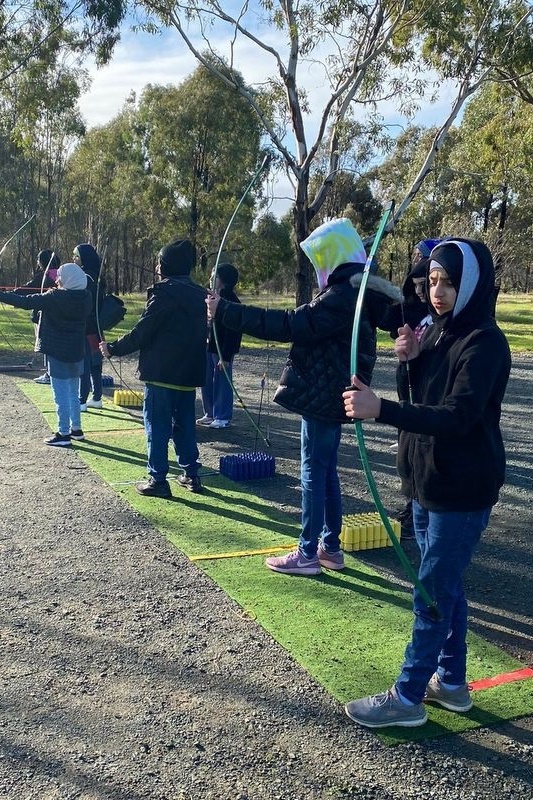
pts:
pixel 247 466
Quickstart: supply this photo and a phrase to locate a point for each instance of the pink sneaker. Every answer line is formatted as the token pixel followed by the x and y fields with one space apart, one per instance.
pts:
pixel 294 563
pixel 330 560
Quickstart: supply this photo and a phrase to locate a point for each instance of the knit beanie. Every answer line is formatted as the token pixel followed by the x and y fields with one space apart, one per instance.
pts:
pixel 177 258
pixel 426 246
pixel 228 274
pixel 72 277
pixel 48 259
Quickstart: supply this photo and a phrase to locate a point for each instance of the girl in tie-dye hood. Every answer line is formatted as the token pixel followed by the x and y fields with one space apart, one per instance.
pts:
pixel 331 244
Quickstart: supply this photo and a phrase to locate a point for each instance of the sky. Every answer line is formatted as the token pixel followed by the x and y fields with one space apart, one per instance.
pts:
pixel 164 59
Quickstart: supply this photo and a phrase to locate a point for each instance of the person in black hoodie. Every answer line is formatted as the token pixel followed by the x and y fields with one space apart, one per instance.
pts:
pixel 60 336
pixel 451 462
pixel 48 262
pixel 317 372
pixel 170 337
pixel 217 394
pixel 88 259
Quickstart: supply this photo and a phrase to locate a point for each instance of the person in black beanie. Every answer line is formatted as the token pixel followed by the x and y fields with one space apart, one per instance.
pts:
pixel 217 394
pixel 170 337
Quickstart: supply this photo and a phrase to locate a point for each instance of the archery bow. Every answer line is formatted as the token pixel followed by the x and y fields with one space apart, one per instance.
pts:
pixel 4 246
pixel 258 430
pixel 432 606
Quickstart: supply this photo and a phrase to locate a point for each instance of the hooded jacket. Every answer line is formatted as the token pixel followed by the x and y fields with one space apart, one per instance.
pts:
pixel 170 335
pixel 318 368
pixel 411 310
pixel 451 455
pixel 229 341
pixel 61 326
pixel 91 265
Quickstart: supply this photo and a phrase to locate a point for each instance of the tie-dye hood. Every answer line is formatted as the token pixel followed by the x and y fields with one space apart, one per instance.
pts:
pixel 333 243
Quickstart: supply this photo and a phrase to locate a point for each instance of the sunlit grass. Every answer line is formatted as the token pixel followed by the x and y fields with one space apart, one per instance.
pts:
pixel 514 315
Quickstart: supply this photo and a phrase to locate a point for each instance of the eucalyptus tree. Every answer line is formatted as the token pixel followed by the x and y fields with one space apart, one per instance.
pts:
pixel 492 165
pixel 201 144
pixel 41 79
pixel 360 53
pixel 108 192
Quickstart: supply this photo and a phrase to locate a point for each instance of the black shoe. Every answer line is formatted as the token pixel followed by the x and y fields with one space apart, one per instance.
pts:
pixel 78 435
pixel 405 516
pixel 154 488
pixel 57 440
pixel 408 531
pixel 192 484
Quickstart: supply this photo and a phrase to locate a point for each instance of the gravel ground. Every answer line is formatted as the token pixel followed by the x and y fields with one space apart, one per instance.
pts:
pixel 126 674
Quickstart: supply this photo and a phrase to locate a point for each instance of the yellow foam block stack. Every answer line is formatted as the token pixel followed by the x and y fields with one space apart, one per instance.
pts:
pixel 366 531
pixel 123 397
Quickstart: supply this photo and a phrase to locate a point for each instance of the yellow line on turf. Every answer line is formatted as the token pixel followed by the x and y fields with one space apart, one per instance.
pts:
pixel 239 553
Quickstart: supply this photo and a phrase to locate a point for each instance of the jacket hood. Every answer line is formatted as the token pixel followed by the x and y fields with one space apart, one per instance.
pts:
pixel 377 284
pixel 473 278
pixel 331 244
pixel 90 260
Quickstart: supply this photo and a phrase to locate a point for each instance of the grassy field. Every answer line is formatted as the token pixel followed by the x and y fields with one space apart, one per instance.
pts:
pixel 514 315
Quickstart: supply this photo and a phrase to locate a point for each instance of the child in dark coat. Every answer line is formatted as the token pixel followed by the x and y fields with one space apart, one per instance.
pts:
pixel 63 312
pixel 315 376
pixel 217 394
pixel 48 263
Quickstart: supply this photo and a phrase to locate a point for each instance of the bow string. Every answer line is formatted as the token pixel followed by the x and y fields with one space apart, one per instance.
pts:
pixel 363 453
pixel 236 394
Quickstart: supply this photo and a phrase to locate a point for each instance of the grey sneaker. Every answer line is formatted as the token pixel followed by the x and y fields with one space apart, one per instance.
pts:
pixel 382 710
pixel 453 699
pixel 330 560
pixel 294 563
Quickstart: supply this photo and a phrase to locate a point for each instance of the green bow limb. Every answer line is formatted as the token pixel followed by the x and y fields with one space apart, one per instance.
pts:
pixel 363 453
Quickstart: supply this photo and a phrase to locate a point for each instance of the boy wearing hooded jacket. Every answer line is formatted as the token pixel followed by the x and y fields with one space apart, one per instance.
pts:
pixel 88 259
pixel 315 376
pixel 451 462
pixel 170 337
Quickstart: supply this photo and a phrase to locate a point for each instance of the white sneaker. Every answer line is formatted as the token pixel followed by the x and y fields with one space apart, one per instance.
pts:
pixel 219 423
pixel 83 406
pixel 42 378
pixel 94 404
pixel 205 420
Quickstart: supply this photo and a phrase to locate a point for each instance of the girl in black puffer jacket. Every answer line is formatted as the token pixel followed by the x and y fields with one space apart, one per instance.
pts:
pixel 315 376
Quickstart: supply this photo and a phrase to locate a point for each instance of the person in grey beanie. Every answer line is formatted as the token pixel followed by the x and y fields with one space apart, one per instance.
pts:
pixel 170 337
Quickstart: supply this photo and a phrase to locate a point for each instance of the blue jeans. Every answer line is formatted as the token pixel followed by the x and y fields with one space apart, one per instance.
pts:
pixel 169 414
pixel 92 374
pixel 321 493
pixel 446 540
pixel 65 391
pixel 217 394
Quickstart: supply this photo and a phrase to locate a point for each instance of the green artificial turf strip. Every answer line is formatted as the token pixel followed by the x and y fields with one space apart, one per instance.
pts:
pixel 348 630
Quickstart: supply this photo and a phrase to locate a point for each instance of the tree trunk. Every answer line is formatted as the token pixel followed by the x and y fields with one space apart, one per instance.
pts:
pixel 304 268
